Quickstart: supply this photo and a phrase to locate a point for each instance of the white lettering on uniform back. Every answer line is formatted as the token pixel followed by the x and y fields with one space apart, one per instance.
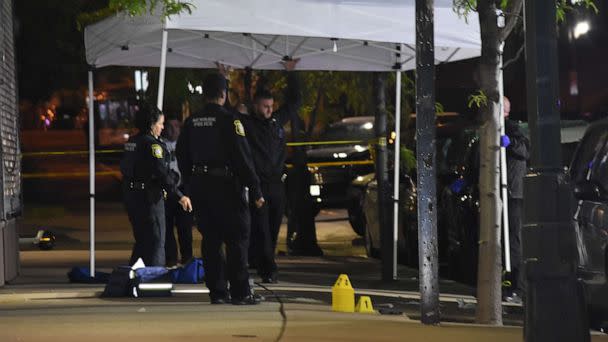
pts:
pixel 203 122
pixel 130 147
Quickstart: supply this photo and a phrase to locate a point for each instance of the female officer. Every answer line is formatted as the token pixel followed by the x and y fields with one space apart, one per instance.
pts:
pixel 146 180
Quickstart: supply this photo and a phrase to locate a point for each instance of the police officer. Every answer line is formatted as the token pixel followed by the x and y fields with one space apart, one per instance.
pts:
pixel 267 140
pixel 214 159
pixel 174 215
pixel 146 178
pixel 518 146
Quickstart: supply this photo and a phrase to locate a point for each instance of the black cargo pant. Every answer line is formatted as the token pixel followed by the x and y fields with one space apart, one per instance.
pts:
pixel 515 224
pixel 176 217
pixel 222 217
pixel 146 213
pixel 265 225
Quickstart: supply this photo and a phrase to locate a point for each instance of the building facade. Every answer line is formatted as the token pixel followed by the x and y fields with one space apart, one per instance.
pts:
pixel 10 153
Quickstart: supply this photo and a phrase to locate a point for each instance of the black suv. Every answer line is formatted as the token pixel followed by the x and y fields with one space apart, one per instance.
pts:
pixel 457 173
pixel 589 175
pixel 334 167
pixel 457 199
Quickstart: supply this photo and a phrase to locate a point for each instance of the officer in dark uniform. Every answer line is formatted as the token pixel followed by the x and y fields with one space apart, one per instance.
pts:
pixel 518 146
pixel 215 162
pixel 267 140
pixel 146 178
pixel 174 215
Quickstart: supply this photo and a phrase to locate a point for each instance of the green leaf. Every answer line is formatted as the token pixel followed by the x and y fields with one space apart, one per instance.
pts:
pixel 479 99
pixel 136 8
pixel 503 4
pixel 439 108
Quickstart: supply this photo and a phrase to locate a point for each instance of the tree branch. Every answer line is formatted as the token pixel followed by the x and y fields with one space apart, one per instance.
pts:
pixel 514 59
pixel 512 11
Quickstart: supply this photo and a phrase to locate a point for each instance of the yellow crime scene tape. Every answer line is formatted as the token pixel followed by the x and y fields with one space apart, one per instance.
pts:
pixel 344 163
pixel 67 153
pixel 117 173
pixel 68 174
pixel 340 142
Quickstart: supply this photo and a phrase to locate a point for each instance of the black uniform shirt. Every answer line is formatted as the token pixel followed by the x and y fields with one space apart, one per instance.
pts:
pixel 267 136
pixel 216 138
pixel 145 161
pixel 517 156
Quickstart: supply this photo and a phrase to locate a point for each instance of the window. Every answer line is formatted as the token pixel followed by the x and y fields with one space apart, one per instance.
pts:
pixel 589 154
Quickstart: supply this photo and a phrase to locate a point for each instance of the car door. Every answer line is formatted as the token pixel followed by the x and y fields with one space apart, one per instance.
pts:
pixel 590 165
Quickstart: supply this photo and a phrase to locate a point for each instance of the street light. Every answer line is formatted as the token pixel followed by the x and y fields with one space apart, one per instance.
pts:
pixel 581 28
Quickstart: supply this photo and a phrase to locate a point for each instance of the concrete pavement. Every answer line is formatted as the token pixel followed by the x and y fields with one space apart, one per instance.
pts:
pixel 42 305
pixel 94 319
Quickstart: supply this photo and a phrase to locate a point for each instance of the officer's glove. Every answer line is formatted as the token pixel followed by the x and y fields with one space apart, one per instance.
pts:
pixel 505 141
pixel 185 203
pixel 259 202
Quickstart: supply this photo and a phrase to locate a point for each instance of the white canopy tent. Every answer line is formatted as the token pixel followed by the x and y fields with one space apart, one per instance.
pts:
pixel 258 34
pixel 344 35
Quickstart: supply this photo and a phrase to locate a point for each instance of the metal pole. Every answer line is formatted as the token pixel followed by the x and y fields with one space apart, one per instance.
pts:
pixel 161 73
pixel 386 235
pixel 555 306
pixel 425 159
pixel 396 171
pixel 91 175
pixel 503 165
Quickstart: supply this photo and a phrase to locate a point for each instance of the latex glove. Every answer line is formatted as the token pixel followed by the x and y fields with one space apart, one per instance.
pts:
pixel 185 203
pixel 458 185
pixel 505 141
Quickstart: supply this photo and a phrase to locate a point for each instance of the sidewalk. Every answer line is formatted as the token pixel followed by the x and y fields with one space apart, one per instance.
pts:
pixel 204 322
pixel 42 305
pixel 162 320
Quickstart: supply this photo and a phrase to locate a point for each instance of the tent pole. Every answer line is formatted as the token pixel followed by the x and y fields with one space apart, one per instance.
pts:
pixel 91 175
pixel 161 73
pixel 396 170
pixel 503 166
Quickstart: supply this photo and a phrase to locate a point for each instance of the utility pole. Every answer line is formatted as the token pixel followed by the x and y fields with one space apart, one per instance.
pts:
pixel 555 306
pixel 425 156
pixel 386 233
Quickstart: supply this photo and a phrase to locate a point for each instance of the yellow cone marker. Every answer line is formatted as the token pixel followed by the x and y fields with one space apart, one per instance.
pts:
pixel 364 305
pixel 343 295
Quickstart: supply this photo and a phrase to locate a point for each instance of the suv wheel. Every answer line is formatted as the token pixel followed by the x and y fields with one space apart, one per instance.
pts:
pixel 370 250
pixel 356 218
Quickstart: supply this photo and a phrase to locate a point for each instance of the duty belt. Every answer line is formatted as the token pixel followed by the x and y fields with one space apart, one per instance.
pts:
pixel 204 170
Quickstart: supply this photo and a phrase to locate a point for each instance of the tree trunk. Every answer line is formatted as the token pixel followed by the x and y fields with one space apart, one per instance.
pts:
pixel 313 115
pixel 489 296
pixel 247 79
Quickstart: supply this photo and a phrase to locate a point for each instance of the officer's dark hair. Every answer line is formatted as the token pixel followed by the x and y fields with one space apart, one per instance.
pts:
pixel 263 94
pixel 146 116
pixel 213 86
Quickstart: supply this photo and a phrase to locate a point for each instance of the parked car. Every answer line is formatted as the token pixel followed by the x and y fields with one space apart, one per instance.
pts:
pixel 457 200
pixel 343 186
pixel 333 167
pixel 589 176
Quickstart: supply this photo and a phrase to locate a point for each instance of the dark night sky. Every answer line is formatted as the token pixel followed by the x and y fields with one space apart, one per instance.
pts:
pixel 50 49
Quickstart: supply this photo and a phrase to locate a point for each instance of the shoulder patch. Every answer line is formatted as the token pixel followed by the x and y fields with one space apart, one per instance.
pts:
pixel 157 151
pixel 238 128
